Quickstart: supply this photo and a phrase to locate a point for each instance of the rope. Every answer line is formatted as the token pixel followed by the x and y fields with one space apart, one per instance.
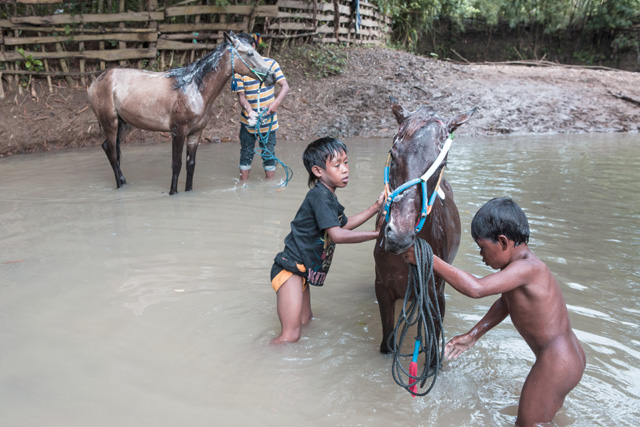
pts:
pixel 419 309
pixel 263 151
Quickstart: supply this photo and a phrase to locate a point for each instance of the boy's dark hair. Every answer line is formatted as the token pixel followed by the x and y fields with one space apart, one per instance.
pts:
pixel 252 39
pixel 500 216
pixel 317 153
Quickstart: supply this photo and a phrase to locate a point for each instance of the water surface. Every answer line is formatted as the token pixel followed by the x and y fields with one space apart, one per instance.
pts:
pixel 131 307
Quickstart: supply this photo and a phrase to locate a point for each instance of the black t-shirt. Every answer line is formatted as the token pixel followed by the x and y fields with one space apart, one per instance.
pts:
pixel 308 242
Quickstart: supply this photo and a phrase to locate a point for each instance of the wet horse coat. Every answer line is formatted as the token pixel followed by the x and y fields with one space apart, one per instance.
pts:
pixel 416 146
pixel 179 101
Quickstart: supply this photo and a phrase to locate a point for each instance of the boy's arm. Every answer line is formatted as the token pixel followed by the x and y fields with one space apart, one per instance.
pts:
pixel 244 103
pixel 357 220
pixel 461 343
pixel 343 235
pixel 284 89
pixel 512 276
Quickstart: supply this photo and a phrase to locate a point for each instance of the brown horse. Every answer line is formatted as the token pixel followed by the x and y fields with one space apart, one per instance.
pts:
pixel 179 101
pixel 416 161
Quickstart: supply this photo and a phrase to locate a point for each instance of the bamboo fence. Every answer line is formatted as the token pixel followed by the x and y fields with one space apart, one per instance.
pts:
pixel 39 37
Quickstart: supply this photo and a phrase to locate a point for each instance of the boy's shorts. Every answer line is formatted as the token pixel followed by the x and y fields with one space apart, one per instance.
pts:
pixel 283 269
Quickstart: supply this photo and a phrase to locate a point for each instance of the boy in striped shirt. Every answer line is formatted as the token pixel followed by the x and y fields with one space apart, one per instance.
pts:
pixel 254 99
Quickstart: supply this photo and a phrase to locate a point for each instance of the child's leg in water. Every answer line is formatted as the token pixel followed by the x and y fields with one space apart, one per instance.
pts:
pixel 307 315
pixel 294 309
pixel 555 373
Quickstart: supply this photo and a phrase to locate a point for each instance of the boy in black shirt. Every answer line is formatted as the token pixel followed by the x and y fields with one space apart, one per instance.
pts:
pixel 319 224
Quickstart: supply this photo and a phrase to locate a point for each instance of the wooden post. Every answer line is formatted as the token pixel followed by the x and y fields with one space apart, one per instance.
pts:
pixel 153 6
pixel 46 68
pixel 336 19
pixel 1 50
pixel 315 15
pixel 14 66
pixel 268 53
pixel 83 80
pixel 101 44
pixel 252 18
pixel 64 65
pixel 193 51
pixel 122 45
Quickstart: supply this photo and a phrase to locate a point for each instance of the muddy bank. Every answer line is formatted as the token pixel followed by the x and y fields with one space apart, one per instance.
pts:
pixel 511 100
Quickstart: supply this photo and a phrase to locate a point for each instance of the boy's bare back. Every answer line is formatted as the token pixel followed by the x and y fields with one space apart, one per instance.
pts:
pixel 537 308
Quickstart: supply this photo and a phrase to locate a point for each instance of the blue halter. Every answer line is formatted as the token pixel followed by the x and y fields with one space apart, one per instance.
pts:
pixel 422 181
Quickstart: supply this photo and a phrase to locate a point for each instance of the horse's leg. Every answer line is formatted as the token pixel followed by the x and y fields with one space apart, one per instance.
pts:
pixel 123 130
pixel 386 304
pixel 176 163
pixel 192 147
pixel 111 128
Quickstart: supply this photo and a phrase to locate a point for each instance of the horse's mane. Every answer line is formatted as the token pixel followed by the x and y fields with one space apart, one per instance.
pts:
pixel 196 71
pixel 415 122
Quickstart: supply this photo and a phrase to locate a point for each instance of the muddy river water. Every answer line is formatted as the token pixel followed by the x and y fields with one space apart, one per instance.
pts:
pixel 131 307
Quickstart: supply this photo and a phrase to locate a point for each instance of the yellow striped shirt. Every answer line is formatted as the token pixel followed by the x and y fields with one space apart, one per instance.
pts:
pixel 259 97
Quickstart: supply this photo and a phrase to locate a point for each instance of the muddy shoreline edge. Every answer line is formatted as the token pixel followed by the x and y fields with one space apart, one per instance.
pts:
pixel 512 100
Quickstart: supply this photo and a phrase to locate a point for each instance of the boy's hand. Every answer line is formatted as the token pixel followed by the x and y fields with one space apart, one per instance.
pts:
pixel 253 118
pixel 380 200
pixel 458 345
pixel 410 256
pixel 376 208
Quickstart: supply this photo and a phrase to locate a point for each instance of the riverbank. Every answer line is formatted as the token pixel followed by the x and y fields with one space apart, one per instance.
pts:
pixel 512 99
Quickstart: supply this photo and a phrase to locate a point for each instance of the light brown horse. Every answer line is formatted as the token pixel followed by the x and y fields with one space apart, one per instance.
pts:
pixel 178 101
pixel 416 146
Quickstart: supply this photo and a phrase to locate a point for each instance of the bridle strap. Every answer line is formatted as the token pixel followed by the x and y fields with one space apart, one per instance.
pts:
pixel 439 159
pixel 427 205
pixel 261 76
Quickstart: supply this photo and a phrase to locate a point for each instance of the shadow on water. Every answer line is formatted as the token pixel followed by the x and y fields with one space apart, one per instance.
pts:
pixel 129 307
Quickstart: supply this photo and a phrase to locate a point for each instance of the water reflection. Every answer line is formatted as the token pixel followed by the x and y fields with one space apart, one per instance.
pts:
pixel 131 307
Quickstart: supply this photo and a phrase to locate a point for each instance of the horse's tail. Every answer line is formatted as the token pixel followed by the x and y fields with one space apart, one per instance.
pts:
pixel 123 130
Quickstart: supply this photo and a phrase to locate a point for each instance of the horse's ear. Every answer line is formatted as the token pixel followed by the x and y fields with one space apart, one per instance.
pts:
pixel 457 121
pixel 398 110
pixel 227 37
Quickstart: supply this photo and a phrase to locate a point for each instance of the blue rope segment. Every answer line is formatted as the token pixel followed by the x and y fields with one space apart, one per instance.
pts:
pixel 263 151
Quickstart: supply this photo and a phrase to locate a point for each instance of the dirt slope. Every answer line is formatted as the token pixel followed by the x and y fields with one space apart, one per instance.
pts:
pixel 512 100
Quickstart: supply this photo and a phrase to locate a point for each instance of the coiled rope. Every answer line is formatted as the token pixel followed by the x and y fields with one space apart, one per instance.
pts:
pixel 419 310
pixel 263 151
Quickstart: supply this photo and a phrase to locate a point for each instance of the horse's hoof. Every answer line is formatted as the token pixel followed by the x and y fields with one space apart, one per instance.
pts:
pixel 384 349
pixel 172 192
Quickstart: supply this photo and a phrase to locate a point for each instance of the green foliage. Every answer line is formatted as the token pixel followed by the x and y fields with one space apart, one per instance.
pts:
pixel 322 61
pixel 589 57
pixel 413 19
pixel 624 42
pixel 559 15
pixel 29 63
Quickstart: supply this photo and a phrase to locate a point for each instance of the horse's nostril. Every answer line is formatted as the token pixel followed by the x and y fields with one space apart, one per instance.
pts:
pixel 389 233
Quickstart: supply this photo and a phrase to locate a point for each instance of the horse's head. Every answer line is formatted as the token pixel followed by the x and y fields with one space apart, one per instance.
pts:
pixel 248 61
pixel 416 161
